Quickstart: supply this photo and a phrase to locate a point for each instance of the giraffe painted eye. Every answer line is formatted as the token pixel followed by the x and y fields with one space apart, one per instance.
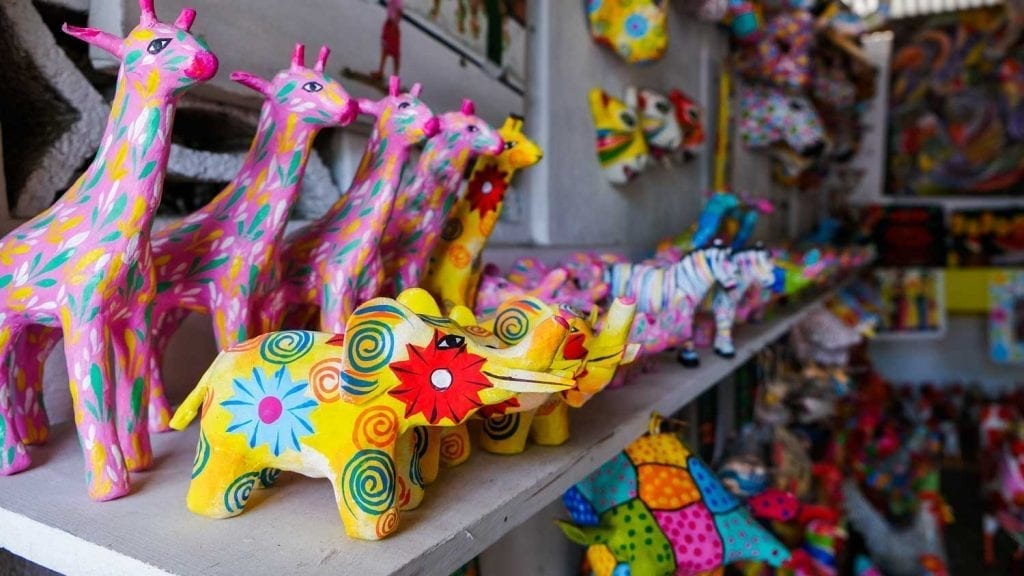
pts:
pixel 157 46
pixel 509 145
pixel 627 119
pixel 312 86
pixel 404 106
pixel 472 129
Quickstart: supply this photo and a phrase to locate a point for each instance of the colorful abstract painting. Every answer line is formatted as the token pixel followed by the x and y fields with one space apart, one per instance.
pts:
pixel 956 107
pixel 1006 318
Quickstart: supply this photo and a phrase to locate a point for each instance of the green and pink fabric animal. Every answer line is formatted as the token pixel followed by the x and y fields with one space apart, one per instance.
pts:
pixel 84 265
pixel 656 509
pixel 333 263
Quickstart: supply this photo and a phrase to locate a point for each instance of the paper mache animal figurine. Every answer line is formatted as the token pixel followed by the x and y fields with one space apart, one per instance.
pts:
pixel 690 118
pixel 782 55
pixel 637 30
pixel 754 269
pixel 657 509
pixel 622 150
pixel 84 266
pixel 333 263
pixel 429 193
pixel 453 273
pixel 785 124
pixel 582 290
pixel 658 120
pixel 333 406
pixel 495 288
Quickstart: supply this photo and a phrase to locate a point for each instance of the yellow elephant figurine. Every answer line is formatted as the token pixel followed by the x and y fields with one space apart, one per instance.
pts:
pixel 334 406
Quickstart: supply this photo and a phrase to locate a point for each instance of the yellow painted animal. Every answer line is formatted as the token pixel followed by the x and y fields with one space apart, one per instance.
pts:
pixel 455 265
pixel 621 148
pixel 331 406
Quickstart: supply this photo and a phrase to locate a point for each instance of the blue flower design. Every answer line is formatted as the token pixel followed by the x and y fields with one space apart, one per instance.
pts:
pixel 272 412
pixel 636 25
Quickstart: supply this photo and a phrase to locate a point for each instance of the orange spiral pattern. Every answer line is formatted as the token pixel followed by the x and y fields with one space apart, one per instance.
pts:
pixel 377 427
pixel 453 447
pixel 477 331
pixel 325 380
pixel 387 522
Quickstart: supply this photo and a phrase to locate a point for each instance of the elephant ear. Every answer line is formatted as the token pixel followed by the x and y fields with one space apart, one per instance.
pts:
pixel 376 335
pixel 463 316
pixel 515 318
pixel 419 301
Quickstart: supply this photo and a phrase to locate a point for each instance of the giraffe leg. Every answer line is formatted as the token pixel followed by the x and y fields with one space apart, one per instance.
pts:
pixel 13 457
pixel 165 324
pixel 30 353
pixel 133 349
pixel 236 324
pixel 87 346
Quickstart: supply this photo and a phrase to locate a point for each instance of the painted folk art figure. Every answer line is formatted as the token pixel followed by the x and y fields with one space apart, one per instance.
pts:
pixel 428 194
pixel 332 406
pixel 691 120
pixel 222 259
pixel 621 148
pixel 755 269
pixel 455 264
pixel 84 265
pixel 334 262
pixel 635 29
pixel 658 120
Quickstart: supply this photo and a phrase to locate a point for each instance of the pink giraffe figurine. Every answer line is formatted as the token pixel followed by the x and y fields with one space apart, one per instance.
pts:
pixel 84 265
pixel 221 258
pixel 333 262
pixel 428 194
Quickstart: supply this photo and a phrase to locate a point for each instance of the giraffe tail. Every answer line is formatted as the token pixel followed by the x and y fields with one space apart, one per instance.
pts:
pixel 190 407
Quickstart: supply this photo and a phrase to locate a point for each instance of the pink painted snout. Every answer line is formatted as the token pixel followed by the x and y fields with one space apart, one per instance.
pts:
pixel 203 66
pixel 350 113
pixel 499 147
pixel 432 127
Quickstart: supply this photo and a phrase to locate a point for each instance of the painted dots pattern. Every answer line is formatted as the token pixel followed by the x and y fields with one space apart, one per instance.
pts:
pixel 611 485
pixel 666 487
pixel 716 497
pixel 637 539
pixel 745 539
pixel 580 510
pixel 774 504
pixel 658 449
pixel 695 540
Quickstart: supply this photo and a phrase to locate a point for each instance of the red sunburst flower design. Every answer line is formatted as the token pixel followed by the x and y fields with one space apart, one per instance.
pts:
pixel 440 380
pixel 487 190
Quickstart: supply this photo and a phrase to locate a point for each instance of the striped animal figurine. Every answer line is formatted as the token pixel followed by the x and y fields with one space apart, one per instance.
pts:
pixel 453 273
pixel 621 148
pixel 755 269
pixel 428 194
pixel 84 266
pixel 333 406
pixel 333 263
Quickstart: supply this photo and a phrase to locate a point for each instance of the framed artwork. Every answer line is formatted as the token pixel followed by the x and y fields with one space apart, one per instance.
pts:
pixel 912 302
pixel 907 235
pixel 1006 317
pixel 990 237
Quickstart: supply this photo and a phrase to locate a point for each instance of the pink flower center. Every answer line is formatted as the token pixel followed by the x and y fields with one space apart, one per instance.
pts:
pixel 270 409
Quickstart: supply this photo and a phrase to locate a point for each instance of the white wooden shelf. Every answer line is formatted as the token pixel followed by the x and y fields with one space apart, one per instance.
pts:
pixel 294 528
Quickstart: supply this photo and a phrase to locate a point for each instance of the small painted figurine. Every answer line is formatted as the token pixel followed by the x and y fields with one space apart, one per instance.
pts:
pixel 755 269
pixel 658 119
pixel 84 265
pixel 691 120
pixel 621 148
pixel 333 406
pixel 637 30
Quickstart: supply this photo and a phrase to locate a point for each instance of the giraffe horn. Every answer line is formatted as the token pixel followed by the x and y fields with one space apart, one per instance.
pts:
pixel 321 59
pixel 147 15
pixel 185 19
pixel 99 38
pixel 299 56
pixel 393 86
pixel 417 89
pixel 468 108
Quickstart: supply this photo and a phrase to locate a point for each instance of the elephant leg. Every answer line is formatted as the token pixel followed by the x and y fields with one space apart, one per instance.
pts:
pixel 133 349
pixel 88 346
pixel 455 446
pixel 506 433
pixel 222 481
pixel 430 461
pixel 366 491
pixel 30 353
pixel 13 457
pixel 165 324
pixel 551 424
pixel 408 460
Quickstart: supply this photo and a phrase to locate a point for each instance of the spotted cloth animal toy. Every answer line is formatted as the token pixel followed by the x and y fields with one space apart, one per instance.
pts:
pixel 657 509
pixel 635 29
pixel 621 148
pixel 771 117
pixel 782 56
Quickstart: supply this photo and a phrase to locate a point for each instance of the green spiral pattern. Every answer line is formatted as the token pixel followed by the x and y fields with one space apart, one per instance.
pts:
pixel 418 452
pixel 368 481
pixel 511 325
pixel 286 347
pixel 501 427
pixel 202 454
pixel 371 345
pixel 238 492
pixel 268 476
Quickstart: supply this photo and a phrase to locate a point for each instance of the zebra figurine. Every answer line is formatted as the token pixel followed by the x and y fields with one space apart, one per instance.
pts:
pixel 754 267
pixel 672 292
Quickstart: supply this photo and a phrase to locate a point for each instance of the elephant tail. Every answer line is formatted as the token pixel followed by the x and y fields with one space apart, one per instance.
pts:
pixel 190 407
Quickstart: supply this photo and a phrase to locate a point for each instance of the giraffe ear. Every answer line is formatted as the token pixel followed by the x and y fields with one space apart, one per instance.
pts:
pixel 98 38
pixel 252 81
